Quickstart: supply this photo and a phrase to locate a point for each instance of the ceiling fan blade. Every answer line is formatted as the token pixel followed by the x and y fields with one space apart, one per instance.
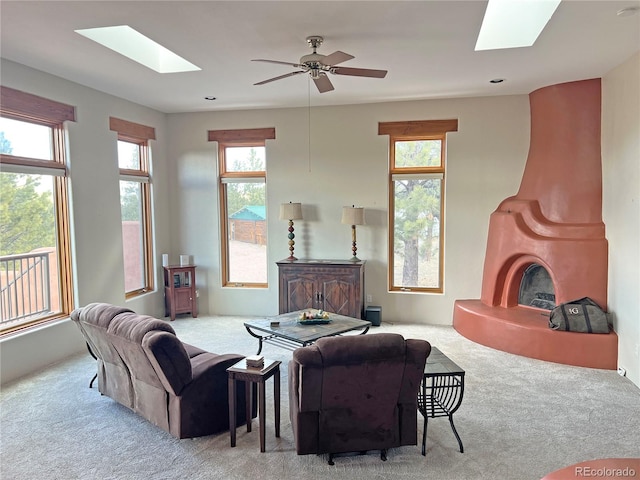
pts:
pixel 336 58
pixel 359 72
pixel 323 83
pixel 297 65
pixel 279 77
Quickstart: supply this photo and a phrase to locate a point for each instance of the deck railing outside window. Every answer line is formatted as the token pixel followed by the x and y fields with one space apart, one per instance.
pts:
pixel 24 281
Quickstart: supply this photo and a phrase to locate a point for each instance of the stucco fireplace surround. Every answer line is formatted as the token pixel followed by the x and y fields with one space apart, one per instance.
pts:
pixel 552 227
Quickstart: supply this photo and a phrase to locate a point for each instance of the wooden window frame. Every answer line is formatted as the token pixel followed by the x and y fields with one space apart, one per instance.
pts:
pixel 26 107
pixel 140 135
pixel 255 137
pixel 422 130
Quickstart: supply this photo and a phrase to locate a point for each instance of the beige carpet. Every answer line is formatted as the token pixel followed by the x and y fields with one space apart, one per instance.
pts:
pixel 520 419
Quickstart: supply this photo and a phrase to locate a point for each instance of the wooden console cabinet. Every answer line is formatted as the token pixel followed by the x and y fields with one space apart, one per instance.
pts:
pixel 180 291
pixel 335 286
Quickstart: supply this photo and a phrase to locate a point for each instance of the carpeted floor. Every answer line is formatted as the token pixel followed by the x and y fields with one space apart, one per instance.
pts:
pixel 520 419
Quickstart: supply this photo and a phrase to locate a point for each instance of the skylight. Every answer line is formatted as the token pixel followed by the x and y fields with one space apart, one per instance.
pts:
pixel 514 23
pixel 132 44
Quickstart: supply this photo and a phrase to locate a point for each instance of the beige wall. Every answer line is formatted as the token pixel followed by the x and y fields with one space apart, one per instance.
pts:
pixel 97 252
pixel 621 206
pixel 348 165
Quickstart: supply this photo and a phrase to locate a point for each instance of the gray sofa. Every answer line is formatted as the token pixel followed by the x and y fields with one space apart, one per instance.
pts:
pixel 356 393
pixel 144 366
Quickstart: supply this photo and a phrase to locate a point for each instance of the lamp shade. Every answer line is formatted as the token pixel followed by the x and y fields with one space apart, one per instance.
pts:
pixel 353 215
pixel 290 211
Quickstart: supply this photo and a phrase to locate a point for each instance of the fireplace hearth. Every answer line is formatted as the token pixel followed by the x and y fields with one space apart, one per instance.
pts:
pixel 546 244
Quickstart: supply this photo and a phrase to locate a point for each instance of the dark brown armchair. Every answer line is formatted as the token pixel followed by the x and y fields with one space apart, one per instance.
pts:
pixel 356 393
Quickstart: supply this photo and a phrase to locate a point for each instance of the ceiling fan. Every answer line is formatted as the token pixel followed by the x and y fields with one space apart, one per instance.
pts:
pixel 318 65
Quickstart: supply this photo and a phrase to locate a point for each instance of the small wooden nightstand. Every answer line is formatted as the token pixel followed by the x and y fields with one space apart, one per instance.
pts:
pixel 180 290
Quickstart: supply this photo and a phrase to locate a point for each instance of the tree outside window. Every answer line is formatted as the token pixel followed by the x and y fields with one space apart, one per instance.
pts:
pixel 417 214
pixel 416 204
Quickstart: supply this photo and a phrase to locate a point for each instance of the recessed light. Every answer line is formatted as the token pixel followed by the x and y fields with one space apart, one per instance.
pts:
pixel 497 80
pixel 627 12
pixel 132 44
pixel 514 23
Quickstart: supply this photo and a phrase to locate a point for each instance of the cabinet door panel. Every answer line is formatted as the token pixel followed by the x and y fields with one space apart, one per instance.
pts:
pixel 183 299
pixel 332 285
pixel 302 294
pixel 337 296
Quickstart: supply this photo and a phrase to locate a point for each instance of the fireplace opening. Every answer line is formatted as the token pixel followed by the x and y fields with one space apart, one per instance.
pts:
pixel 536 288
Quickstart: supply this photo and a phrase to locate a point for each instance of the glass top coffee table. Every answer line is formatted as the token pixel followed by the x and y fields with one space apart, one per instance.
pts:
pixel 286 331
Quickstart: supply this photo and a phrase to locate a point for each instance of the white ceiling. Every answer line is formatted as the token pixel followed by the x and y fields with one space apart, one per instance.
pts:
pixel 427 47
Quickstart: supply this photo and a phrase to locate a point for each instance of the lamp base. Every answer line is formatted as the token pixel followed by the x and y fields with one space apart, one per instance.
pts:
pixel 354 259
pixel 291 258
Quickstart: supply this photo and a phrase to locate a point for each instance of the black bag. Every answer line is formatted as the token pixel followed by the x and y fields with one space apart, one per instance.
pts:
pixel 583 315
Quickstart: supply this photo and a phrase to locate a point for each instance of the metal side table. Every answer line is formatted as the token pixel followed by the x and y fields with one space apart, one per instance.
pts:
pixel 441 391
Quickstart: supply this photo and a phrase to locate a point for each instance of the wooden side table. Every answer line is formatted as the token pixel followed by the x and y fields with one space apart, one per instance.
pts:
pixel 240 371
pixel 180 290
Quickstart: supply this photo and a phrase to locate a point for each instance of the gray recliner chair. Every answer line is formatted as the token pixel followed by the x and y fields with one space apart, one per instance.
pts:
pixel 356 393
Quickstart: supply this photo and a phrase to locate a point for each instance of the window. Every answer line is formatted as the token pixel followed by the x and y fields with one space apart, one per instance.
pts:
pixel 243 218
pixel 35 258
pixel 135 204
pixel 416 203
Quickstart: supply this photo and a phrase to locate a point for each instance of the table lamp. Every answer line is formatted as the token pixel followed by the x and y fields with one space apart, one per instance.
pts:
pixel 291 211
pixel 353 216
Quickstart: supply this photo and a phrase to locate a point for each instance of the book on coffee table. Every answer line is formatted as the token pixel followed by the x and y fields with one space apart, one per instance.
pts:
pixel 255 361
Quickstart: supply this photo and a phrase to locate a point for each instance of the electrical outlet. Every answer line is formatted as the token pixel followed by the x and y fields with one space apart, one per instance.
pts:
pixel 622 372
pixel 369 298
pixel 197 293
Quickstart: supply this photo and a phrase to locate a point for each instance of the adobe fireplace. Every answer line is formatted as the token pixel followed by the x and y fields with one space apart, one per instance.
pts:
pixel 551 235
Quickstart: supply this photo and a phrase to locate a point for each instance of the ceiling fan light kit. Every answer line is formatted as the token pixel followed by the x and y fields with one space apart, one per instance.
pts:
pixel 318 65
